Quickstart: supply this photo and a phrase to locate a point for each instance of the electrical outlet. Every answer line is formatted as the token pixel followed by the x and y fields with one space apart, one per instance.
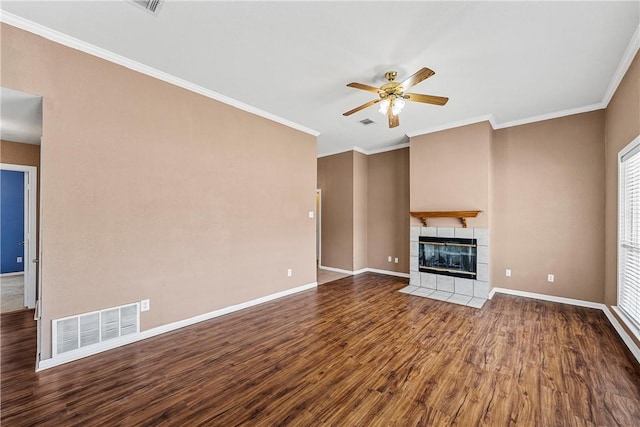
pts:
pixel 19 259
pixel 311 214
pixel 389 259
pixel 508 272
pixel 550 277
pixel 289 272
pixel 145 305
pixel 396 260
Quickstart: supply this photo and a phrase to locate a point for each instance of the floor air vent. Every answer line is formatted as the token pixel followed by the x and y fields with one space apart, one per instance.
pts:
pixel 84 330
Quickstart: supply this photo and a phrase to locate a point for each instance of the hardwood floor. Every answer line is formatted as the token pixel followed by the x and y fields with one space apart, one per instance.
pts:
pixel 354 352
pixel 326 276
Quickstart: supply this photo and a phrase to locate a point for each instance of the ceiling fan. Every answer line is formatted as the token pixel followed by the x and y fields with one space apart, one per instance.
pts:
pixel 392 95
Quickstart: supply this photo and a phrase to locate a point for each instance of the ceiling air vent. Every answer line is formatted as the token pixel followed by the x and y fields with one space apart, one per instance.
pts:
pixel 151 6
pixel 367 122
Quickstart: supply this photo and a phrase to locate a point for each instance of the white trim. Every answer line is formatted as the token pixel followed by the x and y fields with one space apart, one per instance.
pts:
pixel 332 153
pixel 66 40
pixel 388 272
pixel 365 270
pixel 16 273
pixel 635 350
pixel 318 219
pixel 390 148
pixel 340 151
pixel 128 339
pixel 360 150
pixel 366 152
pixel 336 270
pixel 545 297
pixel 621 189
pixel 465 122
pixel 549 116
pixel 30 229
pixel 623 334
pixel 474 120
pixel 623 66
pixel 58 37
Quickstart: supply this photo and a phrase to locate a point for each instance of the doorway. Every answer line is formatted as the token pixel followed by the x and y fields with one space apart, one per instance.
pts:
pixel 18 185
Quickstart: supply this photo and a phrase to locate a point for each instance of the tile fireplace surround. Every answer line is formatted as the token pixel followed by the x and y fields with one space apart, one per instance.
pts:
pixel 446 288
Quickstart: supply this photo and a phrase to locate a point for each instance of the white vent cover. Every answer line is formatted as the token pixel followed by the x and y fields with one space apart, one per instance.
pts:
pixel 151 6
pixel 74 332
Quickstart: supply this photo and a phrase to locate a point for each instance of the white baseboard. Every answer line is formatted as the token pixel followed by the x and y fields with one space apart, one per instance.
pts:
pixel 365 270
pixel 128 339
pixel 388 272
pixel 581 303
pixel 545 297
pixel 17 273
pixel 623 334
pixel 335 270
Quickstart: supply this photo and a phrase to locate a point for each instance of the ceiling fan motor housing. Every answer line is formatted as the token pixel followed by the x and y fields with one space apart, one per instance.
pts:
pixel 391 75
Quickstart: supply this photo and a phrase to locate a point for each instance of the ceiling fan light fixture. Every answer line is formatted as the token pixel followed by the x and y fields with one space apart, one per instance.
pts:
pixel 392 96
pixel 398 105
pixel 384 106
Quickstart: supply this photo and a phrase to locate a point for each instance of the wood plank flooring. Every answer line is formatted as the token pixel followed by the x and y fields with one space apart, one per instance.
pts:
pixel 354 352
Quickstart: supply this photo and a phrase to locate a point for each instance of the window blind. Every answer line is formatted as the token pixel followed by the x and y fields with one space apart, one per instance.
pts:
pixel 629 235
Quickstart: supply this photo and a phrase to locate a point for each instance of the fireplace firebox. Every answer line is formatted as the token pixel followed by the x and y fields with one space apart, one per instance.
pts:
pixel 448 256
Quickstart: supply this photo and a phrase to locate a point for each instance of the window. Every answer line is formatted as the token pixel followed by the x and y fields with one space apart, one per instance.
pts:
pixel 629 233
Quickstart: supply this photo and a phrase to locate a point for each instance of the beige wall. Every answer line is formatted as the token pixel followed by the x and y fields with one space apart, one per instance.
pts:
pixel 388 206
pixel 450 171
pixel 622 126
pixel 151 191
pixel 548 211
pixel 365 205
pixel 335 180
pixel 360 210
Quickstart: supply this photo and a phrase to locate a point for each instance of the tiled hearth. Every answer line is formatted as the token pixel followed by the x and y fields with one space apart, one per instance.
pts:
pixel 456 290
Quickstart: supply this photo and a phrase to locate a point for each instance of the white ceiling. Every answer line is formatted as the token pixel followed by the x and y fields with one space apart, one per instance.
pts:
pixel 511 60
pixel 20 116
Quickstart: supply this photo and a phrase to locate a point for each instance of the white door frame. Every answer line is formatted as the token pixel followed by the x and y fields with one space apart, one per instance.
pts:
pixel 30 230
pixel 319 225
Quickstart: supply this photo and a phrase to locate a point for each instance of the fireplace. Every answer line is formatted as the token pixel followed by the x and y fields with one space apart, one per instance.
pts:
pixel 448 256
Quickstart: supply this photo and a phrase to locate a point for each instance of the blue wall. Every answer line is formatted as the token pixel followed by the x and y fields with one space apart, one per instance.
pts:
pixel 11 221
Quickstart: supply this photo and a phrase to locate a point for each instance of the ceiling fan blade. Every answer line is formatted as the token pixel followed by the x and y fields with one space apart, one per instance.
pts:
pixel 428 99
pixel 419 76
pixel 364 87
pixel 362 107
pixel 394 121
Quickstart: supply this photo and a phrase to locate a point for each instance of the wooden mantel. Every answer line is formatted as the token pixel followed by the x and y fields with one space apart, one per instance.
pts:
pixel 463 215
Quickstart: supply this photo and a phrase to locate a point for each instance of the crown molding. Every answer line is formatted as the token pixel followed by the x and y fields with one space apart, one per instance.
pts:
pixel 58 37
pixel 389 148
pixel 549 116
pixel 486 118
pixel 66 40
pixel 360 150
pixel 343 150
pixel 366 152
pixel 623 66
